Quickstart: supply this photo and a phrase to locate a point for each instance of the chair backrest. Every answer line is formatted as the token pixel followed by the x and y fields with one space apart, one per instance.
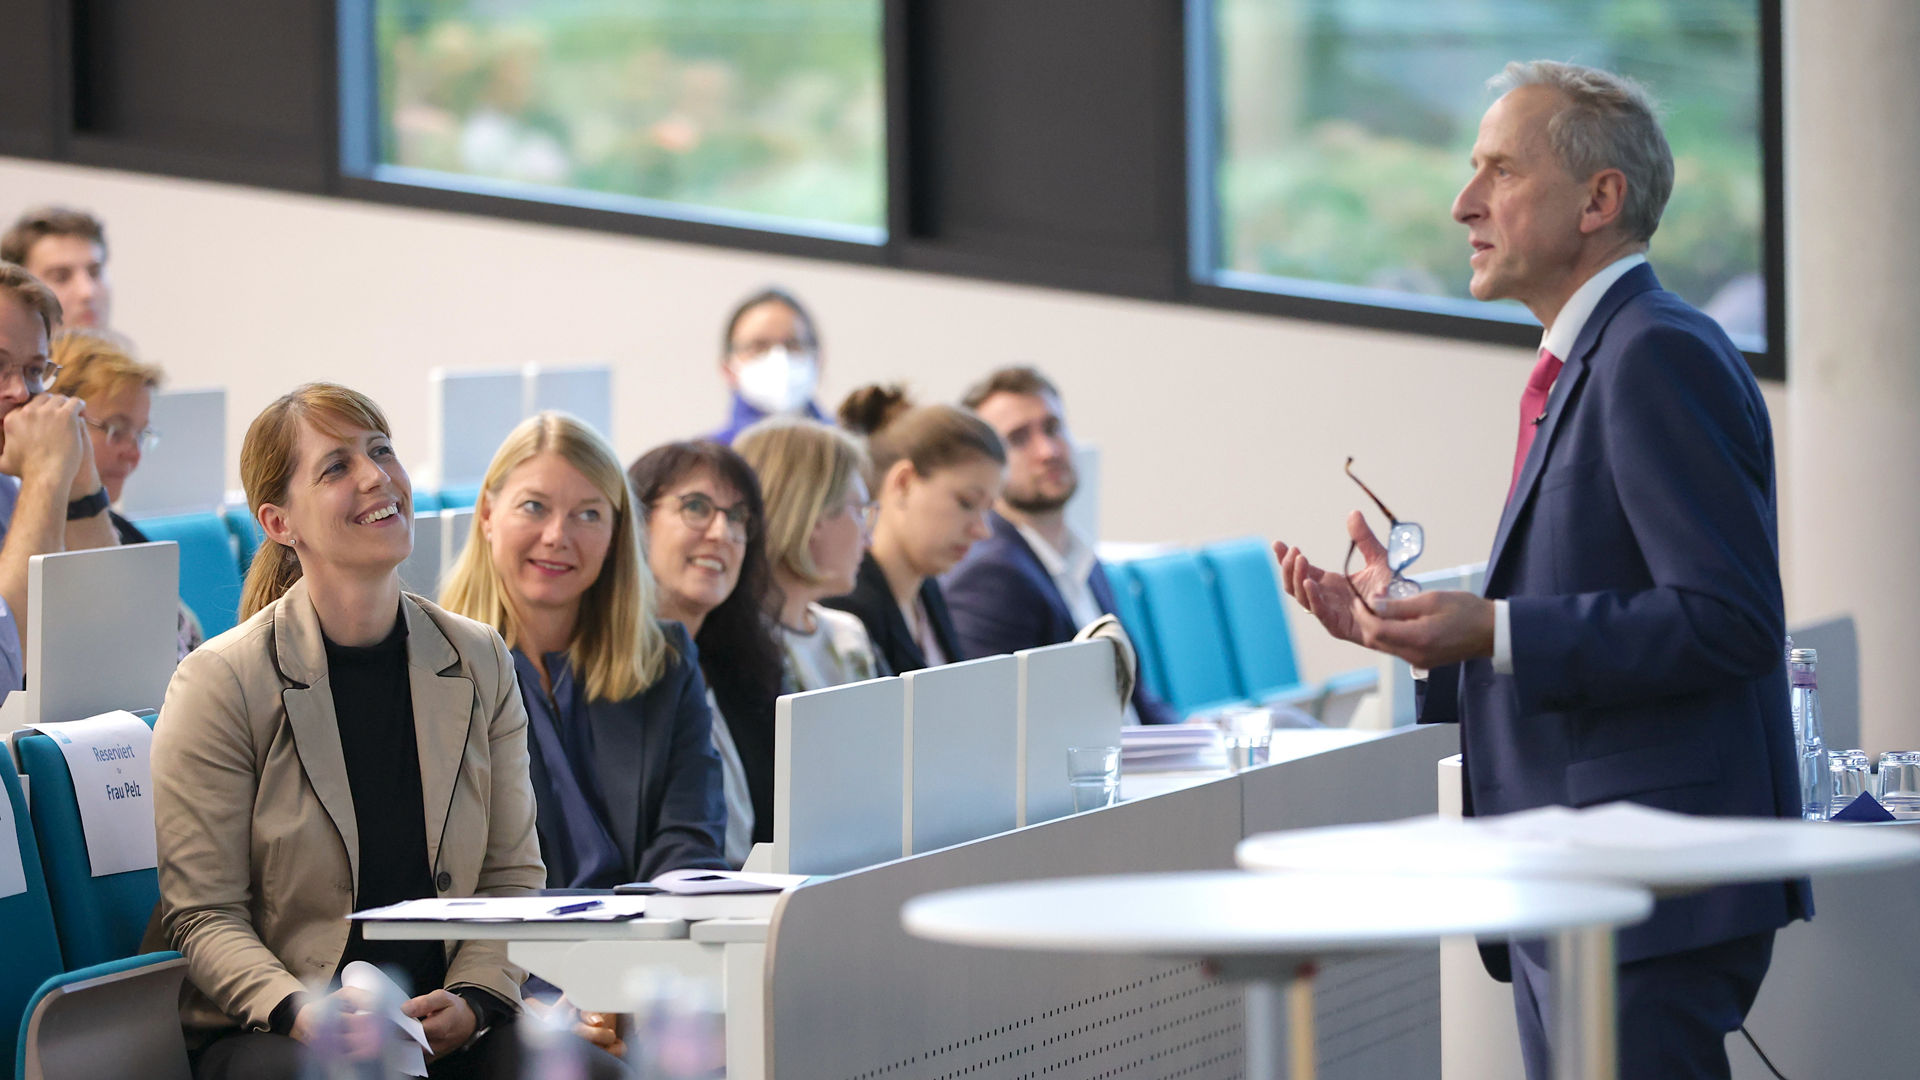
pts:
pixel 963 752
pixel 1247 588
pixel 1196 662
pixel 209 568
pixel 186 472
pixel 1129 599
pixel 1067 697
pixel 839 777
pixel 33 949
pixel 98 918
pixel 469 414
pixel 247 536
pixel 104 626
pixel 459 496
pixel 583 390
pixel 421 571
pixel 455 530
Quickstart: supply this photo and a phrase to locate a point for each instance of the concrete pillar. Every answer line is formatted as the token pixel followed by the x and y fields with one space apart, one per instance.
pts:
pixel 1852 511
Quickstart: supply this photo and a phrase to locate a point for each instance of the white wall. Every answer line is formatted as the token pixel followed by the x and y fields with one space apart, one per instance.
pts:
pixel 1211 423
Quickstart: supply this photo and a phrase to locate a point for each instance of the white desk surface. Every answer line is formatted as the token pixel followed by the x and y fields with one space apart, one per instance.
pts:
pixel 1754 849
pixel 1230 913
pixel 557 930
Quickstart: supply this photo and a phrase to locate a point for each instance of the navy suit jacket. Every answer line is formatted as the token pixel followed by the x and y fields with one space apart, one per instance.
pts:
pixel 1639 560
pixel 658 771
pixel 1004 600
pixel 872 600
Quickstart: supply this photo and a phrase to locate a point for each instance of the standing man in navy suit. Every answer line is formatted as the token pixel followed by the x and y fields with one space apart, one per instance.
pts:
pixel 1033 582
pixel 1629 644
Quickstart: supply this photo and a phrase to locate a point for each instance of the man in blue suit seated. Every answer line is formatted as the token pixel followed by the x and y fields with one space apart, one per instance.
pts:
pixel 1629 643
pixel 1033 582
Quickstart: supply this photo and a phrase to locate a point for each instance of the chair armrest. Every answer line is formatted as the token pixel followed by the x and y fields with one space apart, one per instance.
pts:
pixel 120 1018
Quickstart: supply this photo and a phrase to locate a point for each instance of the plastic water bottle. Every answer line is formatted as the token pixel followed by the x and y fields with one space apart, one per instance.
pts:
pixel 1816 781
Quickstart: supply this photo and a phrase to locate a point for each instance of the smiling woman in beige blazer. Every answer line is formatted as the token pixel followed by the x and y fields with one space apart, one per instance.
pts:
pixel 295 781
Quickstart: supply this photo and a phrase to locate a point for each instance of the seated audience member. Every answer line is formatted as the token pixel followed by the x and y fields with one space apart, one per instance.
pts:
pixel 67 249
pixel 1033 582
pixel 97 367
pixel 51 498
pixel 706 540
pixel 937 470
pixel 300 757
pixel 817 525
pixel 771 359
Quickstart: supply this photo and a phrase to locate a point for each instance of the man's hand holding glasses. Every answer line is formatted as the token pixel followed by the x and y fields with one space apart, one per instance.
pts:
pixel 1377 606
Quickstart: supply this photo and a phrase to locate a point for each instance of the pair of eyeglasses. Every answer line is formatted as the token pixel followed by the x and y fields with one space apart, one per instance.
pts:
pixel 36 376
pixel 123 435
pixel 697 511
pixel 1405 541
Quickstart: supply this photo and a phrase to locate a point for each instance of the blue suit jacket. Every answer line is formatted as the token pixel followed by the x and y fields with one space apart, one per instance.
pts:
pixel 1003 600
pixel 658 771
pixel 1639 559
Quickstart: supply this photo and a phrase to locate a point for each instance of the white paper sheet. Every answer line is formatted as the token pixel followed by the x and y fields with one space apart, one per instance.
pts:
pixel 411 1059
pixel 510 909
pixel 1621 826
pixel 110 758
pixel 13 874
pixel 708 882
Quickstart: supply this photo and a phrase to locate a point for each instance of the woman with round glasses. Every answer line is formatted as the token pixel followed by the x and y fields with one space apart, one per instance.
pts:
pixel 97 367
pixel 706 545
pixel 937 470
pixel 818 518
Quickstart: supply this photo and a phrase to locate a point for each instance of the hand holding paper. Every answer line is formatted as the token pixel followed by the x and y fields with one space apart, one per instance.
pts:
pixel 445 1019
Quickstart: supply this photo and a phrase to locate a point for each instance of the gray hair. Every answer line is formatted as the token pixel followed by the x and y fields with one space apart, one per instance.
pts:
pixel 1609 121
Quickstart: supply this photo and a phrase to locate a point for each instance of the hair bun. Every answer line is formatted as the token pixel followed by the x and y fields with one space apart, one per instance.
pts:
pixel 872 407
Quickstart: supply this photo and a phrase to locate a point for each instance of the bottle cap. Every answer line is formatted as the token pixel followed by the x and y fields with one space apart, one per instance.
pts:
pixel 1803 656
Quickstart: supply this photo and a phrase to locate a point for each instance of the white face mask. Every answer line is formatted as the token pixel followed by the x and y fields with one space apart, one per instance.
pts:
pixel 778 381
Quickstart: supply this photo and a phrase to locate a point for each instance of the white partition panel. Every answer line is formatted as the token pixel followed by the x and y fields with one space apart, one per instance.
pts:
pixel 1067 698
pixel 186 471
pixel 962 752
pixel 585 391
pixel 455 527
pixel 469 413
pixel 421 572
pixel 101 632
pixel 839 783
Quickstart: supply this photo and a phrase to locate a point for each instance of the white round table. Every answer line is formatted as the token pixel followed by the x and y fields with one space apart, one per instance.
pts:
pixel 1671 854
pixel 1261 928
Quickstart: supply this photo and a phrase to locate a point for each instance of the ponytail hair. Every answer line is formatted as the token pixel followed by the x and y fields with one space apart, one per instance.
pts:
pixel 268 456
pixel 932 437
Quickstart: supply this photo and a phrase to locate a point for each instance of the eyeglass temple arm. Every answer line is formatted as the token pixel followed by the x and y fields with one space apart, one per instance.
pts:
pixel 1391 519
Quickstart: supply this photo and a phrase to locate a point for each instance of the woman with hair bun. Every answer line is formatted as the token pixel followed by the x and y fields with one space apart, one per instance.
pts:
pixel 936 472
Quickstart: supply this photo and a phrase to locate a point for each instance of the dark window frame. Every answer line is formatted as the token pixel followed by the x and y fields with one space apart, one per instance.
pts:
pixel 1172 34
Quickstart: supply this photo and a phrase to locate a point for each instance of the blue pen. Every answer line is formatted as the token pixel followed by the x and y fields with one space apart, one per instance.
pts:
pixel 569 909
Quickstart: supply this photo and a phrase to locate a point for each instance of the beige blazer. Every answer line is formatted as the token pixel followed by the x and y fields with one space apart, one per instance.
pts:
pixel 257 840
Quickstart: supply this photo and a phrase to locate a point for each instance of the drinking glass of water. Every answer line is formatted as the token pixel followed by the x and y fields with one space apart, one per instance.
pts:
pixel 1094 774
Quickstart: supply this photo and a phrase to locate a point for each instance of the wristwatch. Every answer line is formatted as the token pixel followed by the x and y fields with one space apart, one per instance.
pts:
pixel 87 506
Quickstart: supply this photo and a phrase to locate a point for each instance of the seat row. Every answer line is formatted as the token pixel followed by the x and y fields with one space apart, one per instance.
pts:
pixel 1212 632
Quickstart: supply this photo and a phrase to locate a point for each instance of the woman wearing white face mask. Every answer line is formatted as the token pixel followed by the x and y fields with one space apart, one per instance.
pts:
pixel 771 361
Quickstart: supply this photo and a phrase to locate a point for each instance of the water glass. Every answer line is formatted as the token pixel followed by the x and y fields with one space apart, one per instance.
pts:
pixel 1248 736
pixel 1093 772
pixel 1900 782
pixel 1852 777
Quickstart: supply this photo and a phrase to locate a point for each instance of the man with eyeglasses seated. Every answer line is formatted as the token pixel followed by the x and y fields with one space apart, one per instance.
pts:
pixel 1033 582
pixel 771 360
pixel 51 498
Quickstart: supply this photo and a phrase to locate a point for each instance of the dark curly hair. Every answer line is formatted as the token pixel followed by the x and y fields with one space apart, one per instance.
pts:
pixel 738 654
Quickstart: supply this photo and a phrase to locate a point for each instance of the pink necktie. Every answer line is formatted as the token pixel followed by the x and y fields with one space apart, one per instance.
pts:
pixel 1533 409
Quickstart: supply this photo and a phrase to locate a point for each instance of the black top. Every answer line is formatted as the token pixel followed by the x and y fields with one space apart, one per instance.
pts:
pixel 872 600
pixel 373 701
pixel 128 532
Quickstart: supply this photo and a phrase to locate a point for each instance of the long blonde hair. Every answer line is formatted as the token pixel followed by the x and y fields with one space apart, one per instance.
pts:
pixel 618 650
pixel 268 457
pixel 806 469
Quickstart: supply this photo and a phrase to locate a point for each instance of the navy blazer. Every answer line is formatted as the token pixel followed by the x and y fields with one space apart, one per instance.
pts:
pixel 1003 600
pixel 658 771
pixel 1639 560
pixel 872 600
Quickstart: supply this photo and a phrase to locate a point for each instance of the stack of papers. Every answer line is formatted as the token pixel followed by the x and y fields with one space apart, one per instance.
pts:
pixel 715 894
pixel 1171 748
pixel 511 909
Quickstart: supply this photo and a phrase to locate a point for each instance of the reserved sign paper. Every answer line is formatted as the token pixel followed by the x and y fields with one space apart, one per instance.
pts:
pixel 110 757
pixel 13 876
